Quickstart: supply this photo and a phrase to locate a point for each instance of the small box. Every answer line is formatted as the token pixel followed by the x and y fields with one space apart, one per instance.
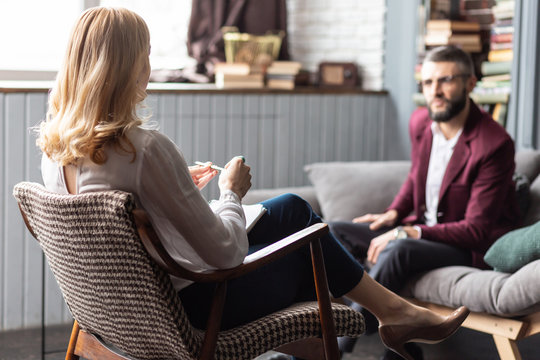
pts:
pixel 338 74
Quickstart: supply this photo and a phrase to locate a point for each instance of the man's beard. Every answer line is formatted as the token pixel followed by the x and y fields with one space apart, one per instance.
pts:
pixel 454 107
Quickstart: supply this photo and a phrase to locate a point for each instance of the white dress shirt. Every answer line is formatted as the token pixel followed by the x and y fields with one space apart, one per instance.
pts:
pixel 197 236
pixel 441 152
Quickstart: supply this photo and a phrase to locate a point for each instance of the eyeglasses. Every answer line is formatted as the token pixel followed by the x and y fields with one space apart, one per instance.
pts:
pixel 443 81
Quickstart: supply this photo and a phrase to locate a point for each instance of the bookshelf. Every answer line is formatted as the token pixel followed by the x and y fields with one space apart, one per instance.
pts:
pixel 484 28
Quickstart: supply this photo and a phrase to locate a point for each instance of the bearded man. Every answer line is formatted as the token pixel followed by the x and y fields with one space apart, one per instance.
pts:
pixel 459 194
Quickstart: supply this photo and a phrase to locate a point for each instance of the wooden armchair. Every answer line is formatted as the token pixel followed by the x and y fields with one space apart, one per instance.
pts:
pixel 113 273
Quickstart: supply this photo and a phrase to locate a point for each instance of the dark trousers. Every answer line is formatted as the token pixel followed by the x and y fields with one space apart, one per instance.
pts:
pixel 282 283
pixel 397 263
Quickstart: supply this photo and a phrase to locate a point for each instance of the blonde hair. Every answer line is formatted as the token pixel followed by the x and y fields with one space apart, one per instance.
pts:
pixel 94 101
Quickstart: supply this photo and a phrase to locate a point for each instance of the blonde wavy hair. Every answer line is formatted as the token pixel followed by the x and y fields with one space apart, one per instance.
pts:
pixel 95 99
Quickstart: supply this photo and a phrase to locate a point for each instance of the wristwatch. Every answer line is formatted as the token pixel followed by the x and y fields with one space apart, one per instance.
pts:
pixel 400 233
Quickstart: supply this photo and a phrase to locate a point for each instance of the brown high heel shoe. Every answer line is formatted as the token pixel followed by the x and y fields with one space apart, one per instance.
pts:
pixel 395 336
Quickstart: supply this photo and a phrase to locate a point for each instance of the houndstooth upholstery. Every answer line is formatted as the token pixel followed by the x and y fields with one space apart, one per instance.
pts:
pixel 114 289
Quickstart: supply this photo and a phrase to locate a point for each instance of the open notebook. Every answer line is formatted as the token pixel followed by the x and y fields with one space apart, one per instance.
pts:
pixel 253 214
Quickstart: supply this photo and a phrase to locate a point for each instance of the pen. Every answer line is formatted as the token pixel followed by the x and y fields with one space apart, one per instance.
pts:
pixel 215 167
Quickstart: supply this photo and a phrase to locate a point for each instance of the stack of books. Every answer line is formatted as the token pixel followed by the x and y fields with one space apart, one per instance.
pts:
pixel 478 11
pixel 282 74
pixel 464 34
pixel 496 82
pixel 502 31
pixel 238 76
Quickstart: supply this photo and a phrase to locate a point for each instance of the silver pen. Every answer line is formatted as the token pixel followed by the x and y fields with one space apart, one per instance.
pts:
pixel 215 167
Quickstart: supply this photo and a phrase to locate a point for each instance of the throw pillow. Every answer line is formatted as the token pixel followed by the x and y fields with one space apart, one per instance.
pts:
pixel 346 190
pixel 515 249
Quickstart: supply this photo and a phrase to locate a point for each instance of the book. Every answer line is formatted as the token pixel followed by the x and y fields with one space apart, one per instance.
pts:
pixel 484 17
pixel 504 6
pixel 502 29
pixel 503 22
pixel 477 4
pixel 466 45
pixel 501 55
pixel 453 25
pixel 287 84
pixel 502 45
pixel 237 68
pixel 490 98
pixel 503 14
pixel 451 39
pixel 495 68
pixel 492 84
pixel 478 98
pixel 284 67
pixel 253 213
pixel 484 20
pixel 499 113
pixel 237 81
pixel 502 38
pixel 244 78
pixel 496 78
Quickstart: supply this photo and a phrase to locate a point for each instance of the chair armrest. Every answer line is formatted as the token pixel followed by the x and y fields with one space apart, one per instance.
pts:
pixel 253 261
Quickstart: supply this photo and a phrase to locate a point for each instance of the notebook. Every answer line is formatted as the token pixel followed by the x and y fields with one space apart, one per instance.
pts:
pixel 253 214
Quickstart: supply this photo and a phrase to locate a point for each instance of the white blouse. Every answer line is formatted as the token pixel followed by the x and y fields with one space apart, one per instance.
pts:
pixel 198 236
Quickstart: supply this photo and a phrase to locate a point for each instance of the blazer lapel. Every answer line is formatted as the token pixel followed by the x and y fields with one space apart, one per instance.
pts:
pixel 457 162
pixel 423 165
pixel 462 150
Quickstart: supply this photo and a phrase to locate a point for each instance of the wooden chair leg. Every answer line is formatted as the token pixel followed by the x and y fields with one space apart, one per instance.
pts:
pixel 214 322
pixel 508 349
pixel 70 354
pixel 329 334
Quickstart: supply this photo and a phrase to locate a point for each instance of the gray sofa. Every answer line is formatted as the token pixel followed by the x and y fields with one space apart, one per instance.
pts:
pixel 504 304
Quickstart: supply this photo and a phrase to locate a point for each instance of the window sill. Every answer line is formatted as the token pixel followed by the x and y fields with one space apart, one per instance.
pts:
pixel 44 86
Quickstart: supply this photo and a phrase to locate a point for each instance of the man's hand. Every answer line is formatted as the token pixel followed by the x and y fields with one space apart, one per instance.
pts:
pixel 202 175
pixel 378 244
pixel 378 220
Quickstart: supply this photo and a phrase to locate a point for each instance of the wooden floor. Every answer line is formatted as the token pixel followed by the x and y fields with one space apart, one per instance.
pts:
pixel 464 345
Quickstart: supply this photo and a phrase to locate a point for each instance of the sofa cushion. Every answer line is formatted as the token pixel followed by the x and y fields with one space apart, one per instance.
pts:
pixel 515 249
pixel 481 290
pixel 349 189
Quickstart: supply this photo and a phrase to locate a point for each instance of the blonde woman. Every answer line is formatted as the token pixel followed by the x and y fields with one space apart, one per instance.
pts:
pixel 92 140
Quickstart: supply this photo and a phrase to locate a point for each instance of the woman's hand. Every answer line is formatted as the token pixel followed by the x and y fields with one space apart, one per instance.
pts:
pixel 378 220
pixel 235 177
pixel 202 175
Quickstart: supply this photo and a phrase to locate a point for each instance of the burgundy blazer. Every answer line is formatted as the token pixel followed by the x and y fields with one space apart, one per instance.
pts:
pixel 477 202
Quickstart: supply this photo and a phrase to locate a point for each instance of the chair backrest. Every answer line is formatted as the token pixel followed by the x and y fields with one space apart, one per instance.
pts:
pixel 111 285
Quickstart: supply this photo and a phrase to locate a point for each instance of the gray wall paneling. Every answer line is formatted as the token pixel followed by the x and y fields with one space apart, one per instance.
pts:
pixel 3 203
pixel 21 258
pixel 277 133
pixel 523 116
pixel 401 27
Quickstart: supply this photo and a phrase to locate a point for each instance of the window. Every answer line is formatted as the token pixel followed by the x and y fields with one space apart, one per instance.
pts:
pixel 35 33
pixel 168 23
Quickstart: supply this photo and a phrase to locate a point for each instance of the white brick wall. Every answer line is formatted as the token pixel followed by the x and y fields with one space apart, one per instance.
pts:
pixel 319 30
pixel 339 30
